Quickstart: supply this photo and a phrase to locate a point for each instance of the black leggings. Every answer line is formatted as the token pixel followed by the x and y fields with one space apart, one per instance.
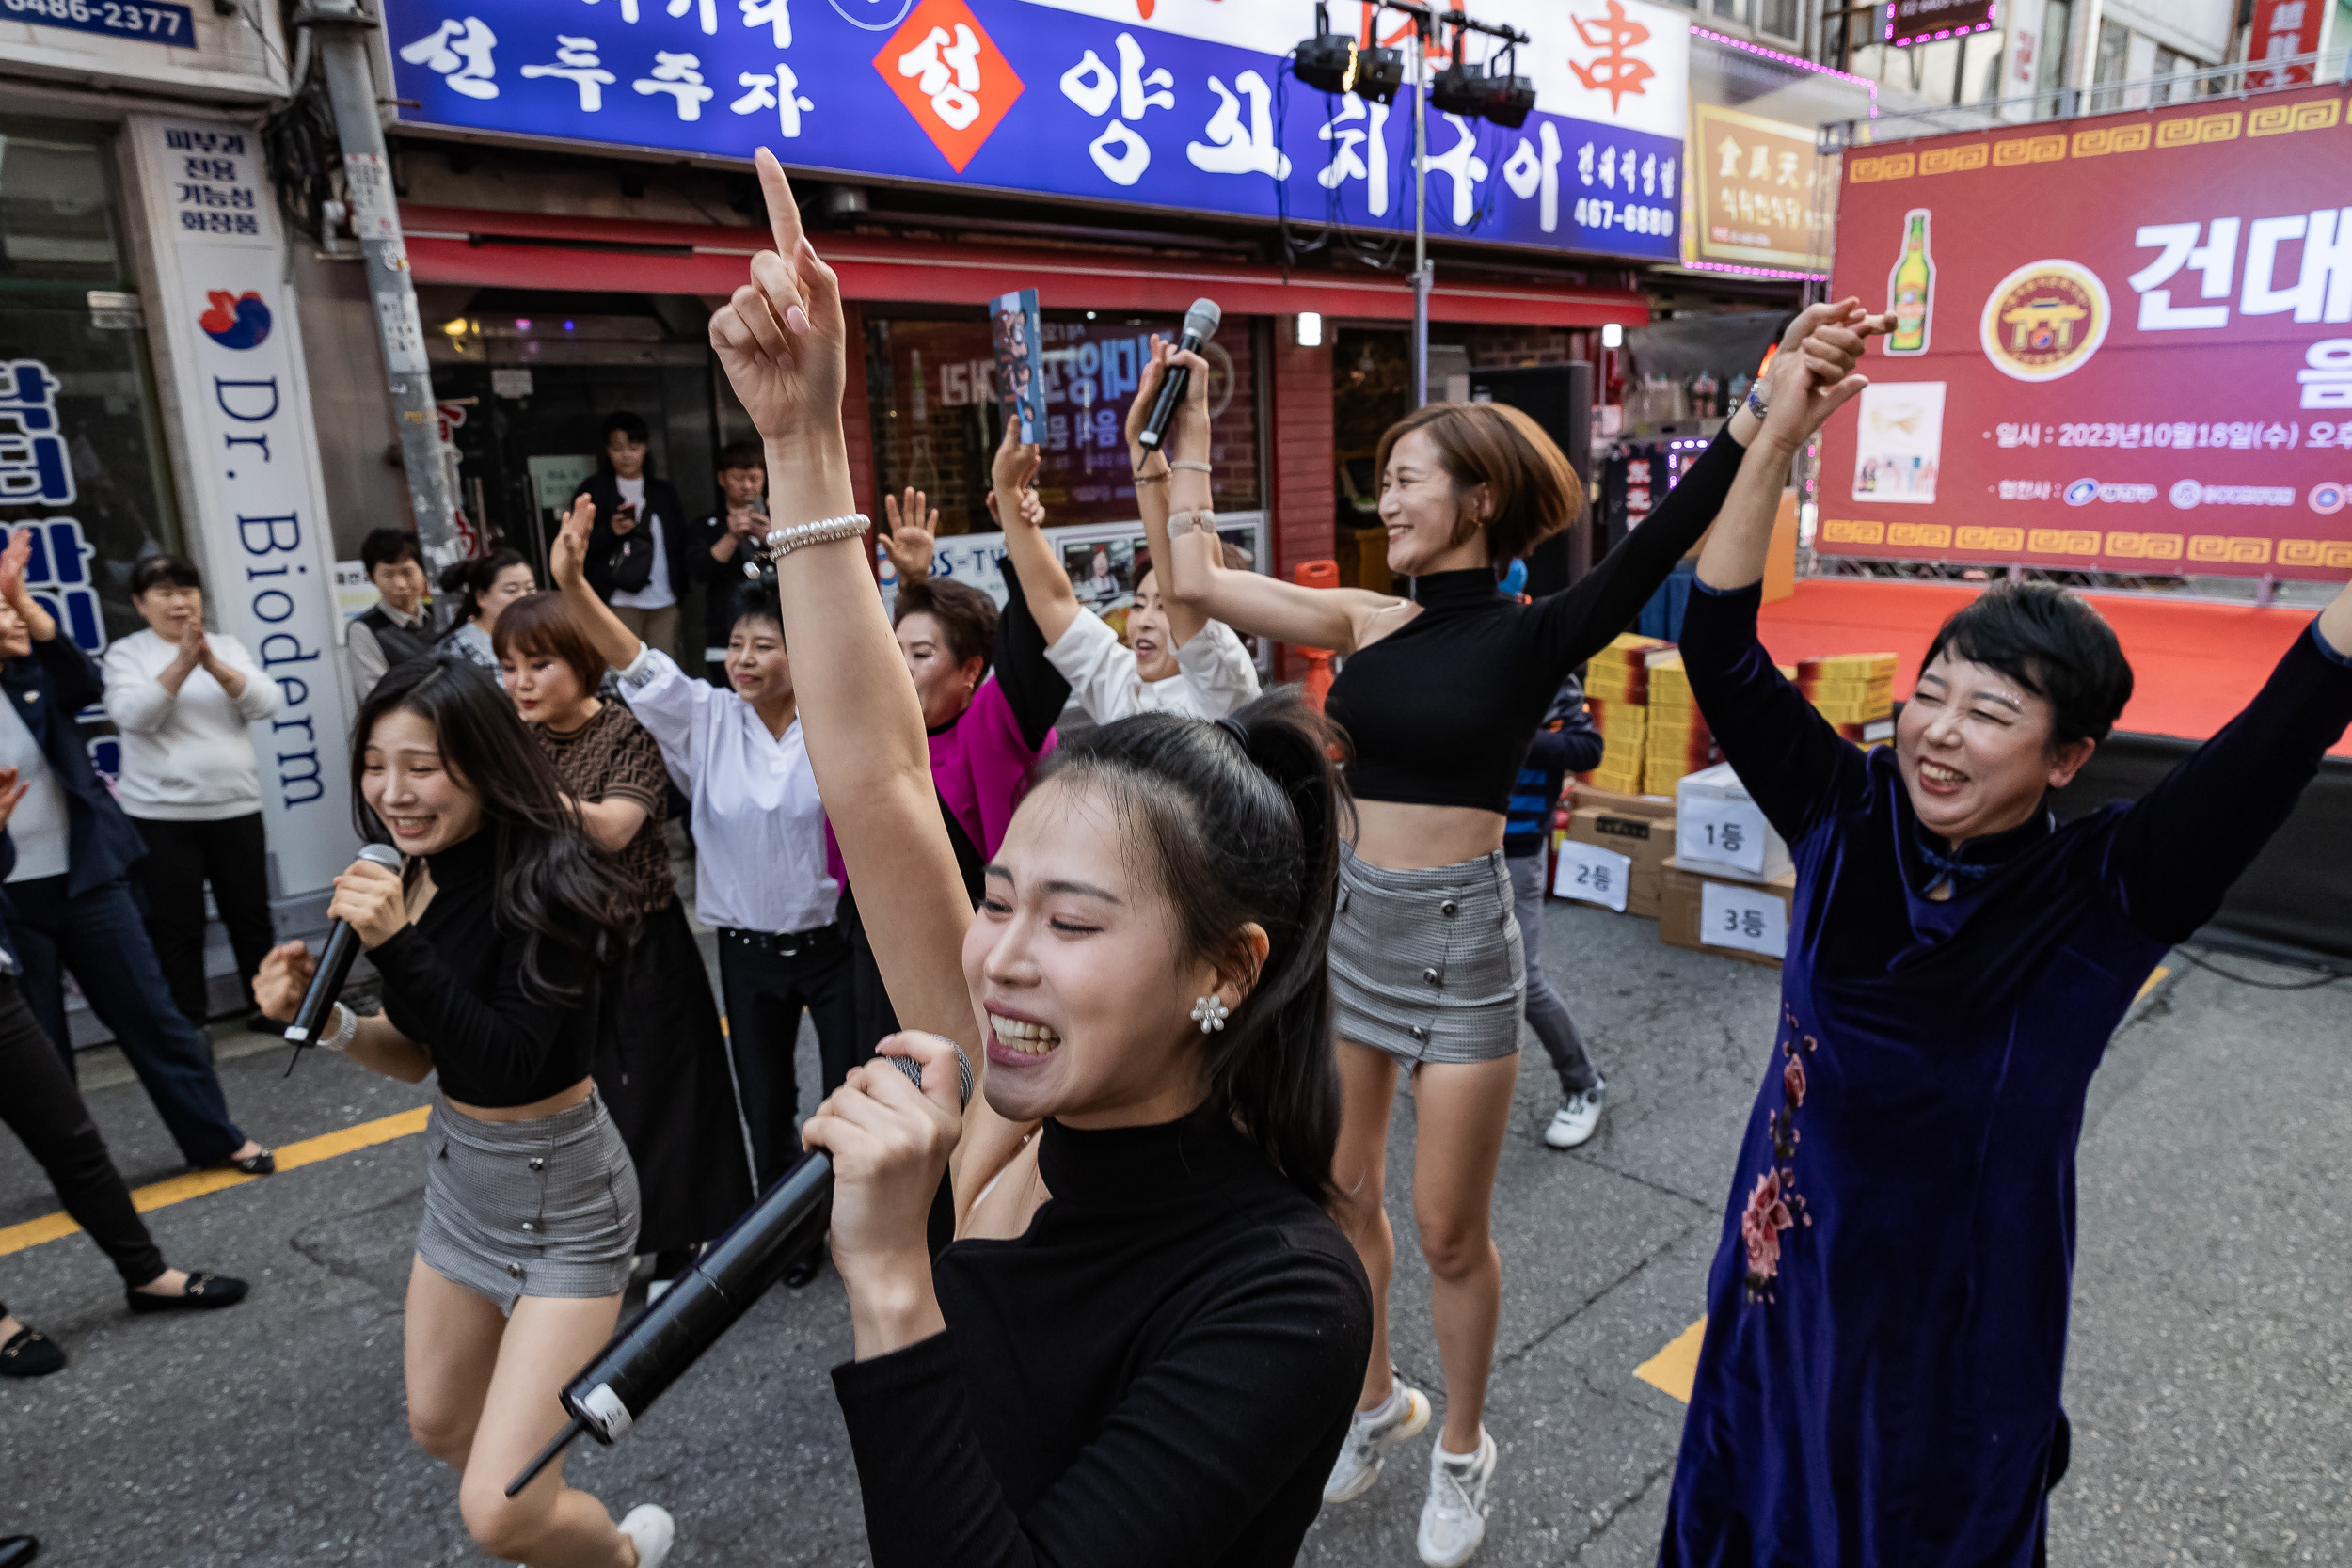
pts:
pixel 41 1107
pixel 232 855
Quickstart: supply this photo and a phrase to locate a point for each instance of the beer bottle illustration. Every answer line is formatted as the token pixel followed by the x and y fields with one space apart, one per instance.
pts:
pixel 1911 287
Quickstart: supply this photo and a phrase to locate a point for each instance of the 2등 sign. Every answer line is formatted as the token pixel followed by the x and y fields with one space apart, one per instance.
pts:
pixel 2152 375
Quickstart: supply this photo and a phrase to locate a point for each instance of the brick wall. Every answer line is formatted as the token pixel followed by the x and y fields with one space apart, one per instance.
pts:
pixel 1498 348
pixel 1302 481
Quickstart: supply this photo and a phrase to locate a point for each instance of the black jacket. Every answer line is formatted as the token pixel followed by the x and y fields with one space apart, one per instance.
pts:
pixel 47 687
pixel 661 501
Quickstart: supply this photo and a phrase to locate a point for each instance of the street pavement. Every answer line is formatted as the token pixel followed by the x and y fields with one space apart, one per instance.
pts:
pixel 2210 1382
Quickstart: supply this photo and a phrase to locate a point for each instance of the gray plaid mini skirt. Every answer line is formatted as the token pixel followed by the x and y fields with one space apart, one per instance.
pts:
pixel 1427 965
pixel 539 1207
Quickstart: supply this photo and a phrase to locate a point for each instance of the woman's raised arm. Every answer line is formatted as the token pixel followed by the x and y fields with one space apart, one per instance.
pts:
pixel 782 342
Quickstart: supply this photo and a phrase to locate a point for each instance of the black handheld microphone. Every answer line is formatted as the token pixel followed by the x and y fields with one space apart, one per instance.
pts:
pixel 327 981
pixel 641 1361
pixel 1199 326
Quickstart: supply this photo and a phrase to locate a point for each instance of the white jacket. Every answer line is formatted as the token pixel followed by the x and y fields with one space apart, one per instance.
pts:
pixel 187 758
pixel 1214 676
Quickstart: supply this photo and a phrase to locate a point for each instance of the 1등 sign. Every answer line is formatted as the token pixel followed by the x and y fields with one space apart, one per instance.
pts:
pixel 2152 375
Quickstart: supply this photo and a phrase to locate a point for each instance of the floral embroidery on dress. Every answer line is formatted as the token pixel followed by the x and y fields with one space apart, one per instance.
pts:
pixel 1775 1205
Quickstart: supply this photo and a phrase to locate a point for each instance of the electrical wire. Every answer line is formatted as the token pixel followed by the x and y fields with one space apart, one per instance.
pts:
pixel 2315 983
pixel 299 140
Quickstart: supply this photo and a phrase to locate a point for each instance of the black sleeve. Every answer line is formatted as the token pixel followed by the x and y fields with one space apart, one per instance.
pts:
pixel 1576 746
pixel 1573 625
pixel 507 1035
pixel 1034 689
pixel 1203 1439
pixel 1792 761
pixel 74 678
pixel 2176 853
pixel 721 575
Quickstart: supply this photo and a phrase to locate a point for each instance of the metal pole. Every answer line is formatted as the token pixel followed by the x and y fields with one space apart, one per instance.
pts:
pixel 342 35
pixel 1421 35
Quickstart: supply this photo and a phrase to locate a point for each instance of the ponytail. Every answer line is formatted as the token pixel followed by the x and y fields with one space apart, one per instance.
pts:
pixel 1242 817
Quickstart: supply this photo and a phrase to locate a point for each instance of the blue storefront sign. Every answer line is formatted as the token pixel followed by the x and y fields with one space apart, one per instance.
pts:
pixel 149 20
pixel 1170 103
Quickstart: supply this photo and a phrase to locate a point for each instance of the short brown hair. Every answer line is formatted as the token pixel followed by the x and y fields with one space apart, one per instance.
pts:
pixel 1536 492
pixel 542 624
pixel 966 615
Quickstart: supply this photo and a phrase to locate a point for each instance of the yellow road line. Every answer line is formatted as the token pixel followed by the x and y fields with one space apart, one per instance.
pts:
pixel 1673 1370
pixel 196 1183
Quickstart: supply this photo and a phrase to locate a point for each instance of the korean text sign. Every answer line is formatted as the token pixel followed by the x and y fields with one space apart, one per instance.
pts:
pixel 1174 103
pixel 2122 343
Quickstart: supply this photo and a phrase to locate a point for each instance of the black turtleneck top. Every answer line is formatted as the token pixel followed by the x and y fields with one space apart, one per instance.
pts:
pixel 454 983
pixel 1439 711
pixel 1159 1371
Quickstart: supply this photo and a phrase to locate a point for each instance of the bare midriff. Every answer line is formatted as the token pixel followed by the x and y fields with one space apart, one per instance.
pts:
pixel 563 1099
pixel 1395 837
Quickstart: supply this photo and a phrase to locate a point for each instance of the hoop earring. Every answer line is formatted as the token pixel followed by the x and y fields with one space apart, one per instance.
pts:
pixel 1211 1012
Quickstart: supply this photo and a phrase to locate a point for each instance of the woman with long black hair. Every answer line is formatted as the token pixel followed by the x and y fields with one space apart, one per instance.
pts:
pixel 1442 691
pixel 498 945
pixel 1142 1347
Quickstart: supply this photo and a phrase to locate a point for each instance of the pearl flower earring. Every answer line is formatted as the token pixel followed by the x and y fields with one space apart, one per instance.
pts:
pixel 1211 1012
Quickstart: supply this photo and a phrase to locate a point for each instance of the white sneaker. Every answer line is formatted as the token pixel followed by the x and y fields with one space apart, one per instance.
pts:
pixel 1578 1117
pixel 652 1529
pixel 1454 1520
pixel 1369 1436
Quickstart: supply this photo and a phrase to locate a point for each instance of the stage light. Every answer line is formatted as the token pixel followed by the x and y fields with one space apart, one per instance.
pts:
pixel 1472 92
pixel 1330 62
pixel 1309 329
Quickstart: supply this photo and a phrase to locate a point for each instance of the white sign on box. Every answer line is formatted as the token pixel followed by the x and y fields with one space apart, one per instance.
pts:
pixel 1751 919
pixel 1731 833
pixel 1595 874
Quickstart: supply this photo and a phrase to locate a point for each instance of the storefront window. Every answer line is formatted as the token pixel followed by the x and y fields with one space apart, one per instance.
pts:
pixel 931 384
pixel 81 452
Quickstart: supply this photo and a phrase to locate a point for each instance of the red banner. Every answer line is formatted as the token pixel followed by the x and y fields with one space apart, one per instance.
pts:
pixel 2120 343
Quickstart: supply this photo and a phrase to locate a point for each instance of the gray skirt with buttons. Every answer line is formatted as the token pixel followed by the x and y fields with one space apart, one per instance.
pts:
pixel 1426 965
pixel 539 1207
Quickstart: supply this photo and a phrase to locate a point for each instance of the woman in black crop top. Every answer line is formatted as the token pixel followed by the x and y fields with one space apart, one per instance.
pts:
pixel 1142 1346
pixel 495 947
pixel 1440 694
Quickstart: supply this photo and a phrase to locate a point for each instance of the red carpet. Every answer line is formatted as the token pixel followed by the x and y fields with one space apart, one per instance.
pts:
pixel 2194 665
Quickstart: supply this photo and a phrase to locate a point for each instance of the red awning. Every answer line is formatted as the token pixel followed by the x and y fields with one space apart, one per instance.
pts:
pixel 530 250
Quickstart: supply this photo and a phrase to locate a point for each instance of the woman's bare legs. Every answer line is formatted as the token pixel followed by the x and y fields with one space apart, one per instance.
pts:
pixel 483 1398
pixel 1461 1112
pixel 1359 1166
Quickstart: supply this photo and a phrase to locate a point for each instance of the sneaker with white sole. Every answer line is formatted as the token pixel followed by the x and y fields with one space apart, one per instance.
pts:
pixel 1454 1520
pixel 650 1528
pixel 1369 1436
pixel 1578 1117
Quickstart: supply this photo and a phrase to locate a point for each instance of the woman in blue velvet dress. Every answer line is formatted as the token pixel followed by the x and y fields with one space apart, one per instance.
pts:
pixel 1885 1337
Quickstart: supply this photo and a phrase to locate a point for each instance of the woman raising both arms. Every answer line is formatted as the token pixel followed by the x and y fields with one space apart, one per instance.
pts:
pixel 1142 1347
pixel 1885 1336
pixel 1440 695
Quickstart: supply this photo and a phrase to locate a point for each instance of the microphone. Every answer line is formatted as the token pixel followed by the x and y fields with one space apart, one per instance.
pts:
pixel 641 1361
pixel 327 981
pixel 1200 324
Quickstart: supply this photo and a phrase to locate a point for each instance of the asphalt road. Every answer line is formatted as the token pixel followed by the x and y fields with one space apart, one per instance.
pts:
pixel 2210 1382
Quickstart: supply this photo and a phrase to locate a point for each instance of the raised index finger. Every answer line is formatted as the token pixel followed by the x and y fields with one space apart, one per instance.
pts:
pixel 784 212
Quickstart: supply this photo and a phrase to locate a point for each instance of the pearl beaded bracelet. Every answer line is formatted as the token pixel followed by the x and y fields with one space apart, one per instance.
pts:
pixel 782 542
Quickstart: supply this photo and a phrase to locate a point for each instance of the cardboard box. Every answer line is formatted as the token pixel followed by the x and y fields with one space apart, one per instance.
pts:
pixel 1849 667
pixel 1870 733
pixel 1858 712
pixel 1683 906
pixel 1647 842
pixel 1629 803
pixel 1720 829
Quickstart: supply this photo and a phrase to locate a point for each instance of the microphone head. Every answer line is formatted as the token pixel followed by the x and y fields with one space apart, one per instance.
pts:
pixel 913 1070
pixel 380 854
pixel 1202 320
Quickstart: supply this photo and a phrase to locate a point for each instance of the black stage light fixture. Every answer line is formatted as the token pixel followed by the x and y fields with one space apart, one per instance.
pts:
pixel 1478 92
pixel 1331 62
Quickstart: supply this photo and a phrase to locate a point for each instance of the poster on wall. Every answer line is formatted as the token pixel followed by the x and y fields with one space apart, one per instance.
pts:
pixel 2152 375
pixel 1753 183
pixel 1171 104
pixel 228 324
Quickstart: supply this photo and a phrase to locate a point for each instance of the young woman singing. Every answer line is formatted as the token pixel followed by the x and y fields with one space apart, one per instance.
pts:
pixel 496 947
pixel 1143 1346
pixel 1885 1334
pixel 1442 692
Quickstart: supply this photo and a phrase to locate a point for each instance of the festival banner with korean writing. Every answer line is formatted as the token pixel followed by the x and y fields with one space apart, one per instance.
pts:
pixel 1175 103
pixel 2122 343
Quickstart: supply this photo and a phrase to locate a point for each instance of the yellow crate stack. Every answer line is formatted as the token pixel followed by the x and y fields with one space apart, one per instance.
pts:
pixel 1680 740
pixel 1616 692
pixel 1853 691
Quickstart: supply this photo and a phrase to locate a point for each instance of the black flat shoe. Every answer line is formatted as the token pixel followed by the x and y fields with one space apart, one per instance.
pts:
pixel 18 1550
pixel 29 1352
pixel 263 1163
pixel 205 1293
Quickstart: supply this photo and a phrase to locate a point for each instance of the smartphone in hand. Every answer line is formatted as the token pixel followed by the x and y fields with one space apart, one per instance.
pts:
pixel 624 518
